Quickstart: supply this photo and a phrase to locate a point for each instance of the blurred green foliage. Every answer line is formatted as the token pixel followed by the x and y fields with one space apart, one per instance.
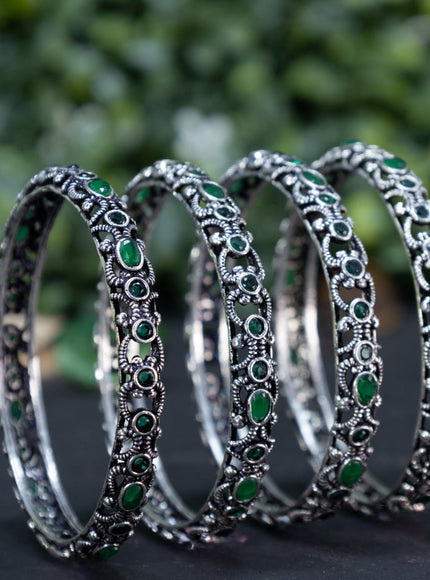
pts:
pixel 114 85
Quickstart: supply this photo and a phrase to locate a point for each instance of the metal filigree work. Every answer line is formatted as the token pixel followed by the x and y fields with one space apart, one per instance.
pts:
pixel 130 469
pixel 320 224
pixel 407 202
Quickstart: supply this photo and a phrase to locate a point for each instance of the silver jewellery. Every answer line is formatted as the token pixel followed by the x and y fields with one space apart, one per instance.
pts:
pixel 252 382
pixel 406 199
pixel 321 223
pixel 129 277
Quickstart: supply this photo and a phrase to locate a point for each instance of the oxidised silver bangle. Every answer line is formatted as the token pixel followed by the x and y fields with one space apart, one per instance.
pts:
pixel 339 456
pixel 252 381
pixel 407 202
pixel 129 278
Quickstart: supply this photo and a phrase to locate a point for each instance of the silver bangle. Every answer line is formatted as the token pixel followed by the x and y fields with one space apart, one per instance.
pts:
pixel 130 469
pixel 252 382
pixel 407 202
pixel 339 463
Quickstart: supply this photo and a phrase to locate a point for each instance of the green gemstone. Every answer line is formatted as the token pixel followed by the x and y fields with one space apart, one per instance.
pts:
pixel 213 190
pixel 133 496
pixel 15 410
pixel 255 453
pixel 351 472
pixel 366 388
pixel 395 163
pixel 130 252
pixel 361 435
pixel 361 310
pixel 246 490
pixel 327 198
pixel 238 243
pixel 341 229
pixel 139 464
pixel 138 289
pixel 225 212
pixel 366 352
pixel 407 183
pixel 259 370
pixel 145 330
pixel 260 405
pixel 117 217
pixel 354 267
pixel 22 233
pixel 235 512
pixel 295 161
pixel 120 529
pixel 256 326
pixel 143 194
pixel 350 141
pixel 250 283
pixel 314 177
pixel 146 378
pixel 144 424
pixel 338 495
pixel 100 187
pixel 422 211
pixel 106 552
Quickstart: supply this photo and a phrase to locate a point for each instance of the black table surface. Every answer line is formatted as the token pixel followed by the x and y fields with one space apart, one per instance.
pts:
pixel 343 547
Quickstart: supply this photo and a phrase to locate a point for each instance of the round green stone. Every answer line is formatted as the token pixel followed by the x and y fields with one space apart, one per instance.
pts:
pixel 395 163
pixel 250 283
pixel 138 289
pixel 238 243
pixel 407 183
pixel 314 177
pixel 106 552
pixel 360 435
pixel 130 253
pixel 213 190
pixel 256 326
pixel 351 472
pixel 259 370
pixel 361 310
pixel 354 267
pixel 422 211
pixel 132 496
pixel 117 217
pixel 145 330
pixel 341 229
pixel 225 212
pixel 144 423
pixel 366 388
pixel 327 198
pixel 100 187
pixel 246 490
pixel 146 378
pixel 22 233
pixel 139 464
pixel 260 406
pixel 15 410
pixel 256 453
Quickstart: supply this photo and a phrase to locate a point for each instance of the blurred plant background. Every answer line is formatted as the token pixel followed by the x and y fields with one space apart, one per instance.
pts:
pixel 115 85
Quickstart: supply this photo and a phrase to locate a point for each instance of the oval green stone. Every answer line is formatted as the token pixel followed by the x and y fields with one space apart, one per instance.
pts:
pixel 260 405
pixel 225 212
pixel 259 370
pixel 255 453
pixel 146 378
pixel 144 423
pixel 145 330
pixel 256 326
pixel 360 435
pixel 130 252
pixel 238 243
pixel 341 229
pixel 327 198
pixel 422 211
pixel 213 190
pixel 314 177
pixel 117 217
pixel 15 410
pixel 22 233
pixel 139 465
pixel 361 310
pixel 407 183
pixel 351 472
pixel 133 496
pixel 100 187
pixel 246 490
pixel 120 529
pixel 395 163
pixel 366 388
pixel 235 512
pixel 354 267
pixel 106 552
pixel 250 283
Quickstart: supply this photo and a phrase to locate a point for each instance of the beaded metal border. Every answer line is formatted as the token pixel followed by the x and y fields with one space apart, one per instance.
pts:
pixel 253 381
pixel 406 199
pixel 130 470
pixel 356 349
